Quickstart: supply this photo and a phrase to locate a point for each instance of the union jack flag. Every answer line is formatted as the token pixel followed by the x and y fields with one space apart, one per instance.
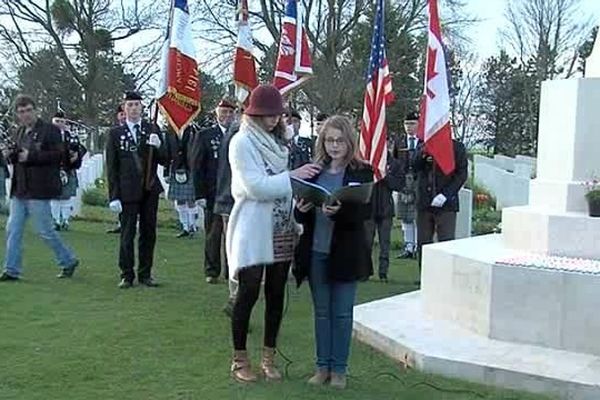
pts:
pixel 378 95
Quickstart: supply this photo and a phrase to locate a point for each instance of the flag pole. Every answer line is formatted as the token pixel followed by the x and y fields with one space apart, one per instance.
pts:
pixel 150 160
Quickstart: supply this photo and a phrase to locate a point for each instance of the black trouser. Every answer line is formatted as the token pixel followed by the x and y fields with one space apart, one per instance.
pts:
pixel 429 223
pixel 383 227
pixel 146 211
pixel 247 294
pixel 213 228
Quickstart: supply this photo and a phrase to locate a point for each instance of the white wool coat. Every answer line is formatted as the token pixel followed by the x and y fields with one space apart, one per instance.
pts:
pixel 250 227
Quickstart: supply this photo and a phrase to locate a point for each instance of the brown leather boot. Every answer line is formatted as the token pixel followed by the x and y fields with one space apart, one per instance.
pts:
pixel 268 365
pixel 240 368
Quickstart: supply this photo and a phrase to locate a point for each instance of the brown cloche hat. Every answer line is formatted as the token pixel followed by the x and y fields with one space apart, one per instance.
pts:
pixel 265 100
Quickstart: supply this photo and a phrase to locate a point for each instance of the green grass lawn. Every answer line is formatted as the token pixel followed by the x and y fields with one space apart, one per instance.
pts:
pixel 84 339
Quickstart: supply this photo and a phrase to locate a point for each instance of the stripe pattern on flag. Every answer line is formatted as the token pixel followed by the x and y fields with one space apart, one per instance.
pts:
pixel 378 95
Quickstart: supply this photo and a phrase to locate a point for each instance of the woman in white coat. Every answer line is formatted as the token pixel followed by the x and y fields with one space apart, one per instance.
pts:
pixel 262 232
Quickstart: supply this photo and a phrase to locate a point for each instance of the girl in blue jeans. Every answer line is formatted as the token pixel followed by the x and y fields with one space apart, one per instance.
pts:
pixel 333 252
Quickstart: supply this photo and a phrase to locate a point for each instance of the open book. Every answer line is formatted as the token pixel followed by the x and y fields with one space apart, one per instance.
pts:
pixel 318 195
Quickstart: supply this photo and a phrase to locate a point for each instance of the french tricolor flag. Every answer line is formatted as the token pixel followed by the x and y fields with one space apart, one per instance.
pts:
pixel 294 63
pixel 178 93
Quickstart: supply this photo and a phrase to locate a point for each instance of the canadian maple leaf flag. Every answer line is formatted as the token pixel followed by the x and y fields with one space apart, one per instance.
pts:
pixel 434 123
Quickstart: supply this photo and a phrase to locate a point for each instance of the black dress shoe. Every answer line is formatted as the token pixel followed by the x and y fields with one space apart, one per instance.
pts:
pixel 8 278
pixel 149 282
pixel 114 230
pixel 125 284
pixel 183 234
pixel 56 227
pixel 68 272
pixel 406 255
pixel 383 278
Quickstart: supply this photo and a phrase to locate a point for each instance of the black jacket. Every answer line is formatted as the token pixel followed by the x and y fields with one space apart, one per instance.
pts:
pixel 301 151
pixel 350 258
pixel 224 199
pixel 431 181
pixel 382 200
pixel 127 163
pixel 39 177
pixel 70 142
pixel 177 149
pixel 204 160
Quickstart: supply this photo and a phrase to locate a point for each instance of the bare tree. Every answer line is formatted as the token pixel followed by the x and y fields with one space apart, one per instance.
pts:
pixel 82 31
pixel 548 33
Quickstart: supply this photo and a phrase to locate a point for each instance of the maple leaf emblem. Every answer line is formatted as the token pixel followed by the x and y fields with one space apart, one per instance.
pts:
pixel 431 72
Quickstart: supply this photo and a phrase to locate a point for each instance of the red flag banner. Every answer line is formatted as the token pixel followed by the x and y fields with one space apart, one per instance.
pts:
pixel 244 67
pixel 179 89
pixel 294 63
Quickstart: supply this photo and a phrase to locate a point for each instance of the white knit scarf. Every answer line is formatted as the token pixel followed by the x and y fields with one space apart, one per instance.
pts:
pixel 274 154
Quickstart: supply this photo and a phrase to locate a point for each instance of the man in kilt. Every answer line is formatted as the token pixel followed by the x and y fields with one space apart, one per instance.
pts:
pixel 204 160
pixel 407 196
pixel 181 186
pixel 74 151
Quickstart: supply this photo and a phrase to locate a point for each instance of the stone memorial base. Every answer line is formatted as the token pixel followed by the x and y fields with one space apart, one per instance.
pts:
pixel 497 316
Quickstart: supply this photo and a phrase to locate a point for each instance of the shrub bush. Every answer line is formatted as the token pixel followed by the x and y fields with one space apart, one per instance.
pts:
pixel 486 221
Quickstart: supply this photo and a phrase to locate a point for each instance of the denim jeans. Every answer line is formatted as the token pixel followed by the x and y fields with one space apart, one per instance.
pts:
pixel 333 308
pixel 39 210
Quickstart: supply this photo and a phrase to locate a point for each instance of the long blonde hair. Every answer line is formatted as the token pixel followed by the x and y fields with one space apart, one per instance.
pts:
pixel 349 136
pixel 278 131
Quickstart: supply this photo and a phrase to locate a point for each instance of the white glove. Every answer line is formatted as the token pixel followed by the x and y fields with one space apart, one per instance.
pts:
pixel 439 201
pixel 154 140
pixel 201 203
pixel 116 206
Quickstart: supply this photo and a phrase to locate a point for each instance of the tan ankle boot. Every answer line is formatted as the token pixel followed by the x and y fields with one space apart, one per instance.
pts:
pixel 319 378
pixel 268 365
pixel 240 368
pixel 338 381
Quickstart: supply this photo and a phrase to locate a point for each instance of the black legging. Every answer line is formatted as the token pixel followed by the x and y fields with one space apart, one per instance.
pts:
pixel 247 294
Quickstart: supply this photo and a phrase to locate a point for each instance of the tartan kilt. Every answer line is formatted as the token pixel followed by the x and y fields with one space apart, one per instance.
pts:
pixel 406 212
pixel 181 191
pixel 70 189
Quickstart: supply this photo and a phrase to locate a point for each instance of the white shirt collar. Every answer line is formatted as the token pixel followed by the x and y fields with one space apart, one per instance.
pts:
pixel 131 127
pixel 408 141
pixel 223 129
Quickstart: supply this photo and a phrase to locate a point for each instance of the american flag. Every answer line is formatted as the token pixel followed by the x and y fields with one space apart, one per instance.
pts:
pixel 378 95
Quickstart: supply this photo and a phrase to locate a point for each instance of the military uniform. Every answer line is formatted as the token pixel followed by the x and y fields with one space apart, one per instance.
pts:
pixel 127 159
pixel 301 151
pixel 62 206
pixel 204 160
pixel 431 181
pixel 381 221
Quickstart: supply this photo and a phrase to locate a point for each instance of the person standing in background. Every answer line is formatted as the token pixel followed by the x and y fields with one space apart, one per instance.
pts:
pixel 74 151
pixel 181 184
pixel 382 218
pixel 204 161
pixel 224 201
pixel 120 121
pixel 407 195
pixel 437 196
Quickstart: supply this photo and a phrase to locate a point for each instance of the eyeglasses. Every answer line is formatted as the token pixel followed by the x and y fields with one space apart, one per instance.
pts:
pixel 336 141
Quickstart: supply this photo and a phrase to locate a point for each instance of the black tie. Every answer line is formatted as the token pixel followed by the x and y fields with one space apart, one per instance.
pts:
pixel 138 133
pixel 411 143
